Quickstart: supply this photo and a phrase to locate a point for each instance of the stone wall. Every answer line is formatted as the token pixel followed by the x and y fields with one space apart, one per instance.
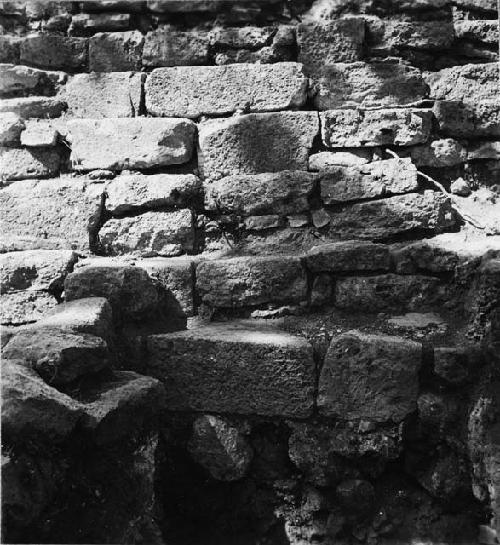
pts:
pixel 250 250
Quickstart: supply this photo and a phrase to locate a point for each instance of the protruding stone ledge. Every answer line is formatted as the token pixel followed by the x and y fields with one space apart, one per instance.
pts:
pixel 166 47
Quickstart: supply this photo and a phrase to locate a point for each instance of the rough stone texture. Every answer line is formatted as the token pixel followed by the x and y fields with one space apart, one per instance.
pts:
pixel 445 152
pixel 135 192
pixel 328 43
pixel 218 90
pixel 96 95
pixel 386 127
pixel 463 82
pixel 54 52
pixel 375 84
pixel 468 119
pixel 115 51
pixel 167 47
pixel 247 37
pixel 486 5
pixel 39 133
pixel 9 49
pixel 388 292
pixel 99 21
pixel 11 126
pixel 24 80
pixel 372 377
pixel 451 364
pixel 23 307
pixel 245 369
pixel 27 107
pixel 283 192
pixel 425 255
pixel 23 163
pixel 117 144
pixel 250 281
pixel 484 150
pixel 350 255
pixel 256 143
pixel 220 448
pixel 59 356
pixel 477 31
pixel 323 160
pixel 376 179
pixel 388 217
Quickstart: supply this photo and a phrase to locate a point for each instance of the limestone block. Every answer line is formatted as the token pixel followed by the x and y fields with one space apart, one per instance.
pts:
pixel 167 47
pixel 218 90
pixel 421 35
pixel 11 126
pixel 22 307
pixel 468 119
pixel 477 31
pixel 18 81
pixel 115 51
pixel 323 160
pixel 480 5
pixel 247 37
pixel 370 377
pixel 117 144
pixel 24 163
pixel 9 49
pixel 484 150
pixel 54 51
pixel 39 133
pixel 256 143
pixel 451 364
pixel 189 6
pixel 385 127
pixel 234 369
pixel 425 255
pixel 99 21
pixel 444 152
pixel 28 107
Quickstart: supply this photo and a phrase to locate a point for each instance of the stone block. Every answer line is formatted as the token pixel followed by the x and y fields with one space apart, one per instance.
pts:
pixel 468 119
pixel 323 160
pixel 167 47
pixel 11 126
pixel 117 144
pixel 385 127
pixel 484 150
pixel 218 90
pixel 441 153
pixel 256 143
pixel 97 95
pixel 115 51
pixel 9 49
pixel 54 51
pixel 348 256
pixel 18 81
pixel 283 193
pixel 477 31
pixel 479 5
pixel 39 133
pixel 451 364
pixel 322 44
pixel 251 281
pixel 377 179
pixel 394 35
pixel 24 163
pixel 28 107
pixel 22 307
pixel 370 377
pixel 425 255
pixel 189 6
pixel 99 21
pixel 388 292
pixel 164 234
pixel 229 368
pixel 362 84
pixel 247 37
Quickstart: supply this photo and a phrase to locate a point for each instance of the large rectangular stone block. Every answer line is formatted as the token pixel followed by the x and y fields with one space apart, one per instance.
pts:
pixel 24 80
pixel 256 143
pixel 364 84
pixel 116 51
pixel 247 369
pixel 385 127
pixel 54 52
pixel 28 107
pixel 468 119
pixel 167 47
pixel 117 144
pixel 24 163
pixel 217 90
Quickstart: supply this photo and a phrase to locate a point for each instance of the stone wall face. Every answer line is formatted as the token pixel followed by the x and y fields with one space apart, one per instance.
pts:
pixel 250 250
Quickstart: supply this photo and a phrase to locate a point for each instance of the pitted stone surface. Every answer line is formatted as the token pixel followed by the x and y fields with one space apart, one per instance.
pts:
pixel 54 51
pixel 117 144
pixel 11 126
pixel 387 127
pixel 167 47
pixel 115 51
pixel 444 152
pixel 27 107
pixel 478 31
pixel 218 90
pixel 18 81
pixel 24 163
pixel 233 368
pixel 371 377
pixel 39 133
pixel 256 143
pixel 323 160
pixel 468 119
pixel 22 307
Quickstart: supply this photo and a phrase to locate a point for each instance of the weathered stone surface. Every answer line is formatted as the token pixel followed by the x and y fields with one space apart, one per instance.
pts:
pixel 460 187
pixel 99 21
pixel 386 127
pixel 369 84
pixel 167 47
pixel 345 158
pixel 249 281
pixel 27 107
pixel 173 6
pixel 136 192
pixel 117 144
pixel 31 408
pixel 247 37
pixel 377 179
pixel 283 192
pixel 217 90
pixel 463 82
pixel 468 119
pixel 115 51
pixel 220 448
pixel 425 255
pixel 22 307
pixel 24 80
pixel 59 356
pixel 399 214
pixel 412 321
pixel 9 49
pixel 451 364
pixel 256 143
pixel 11 126
pixel 240 369
pixel 372 377
pixel 445 152
pixel 54 51
pixel 96 95
pixel 23 163
pixel 39 133
pixel 484 150
pixel 261 223
pixel 477 31
pixel 327 43
pixel 350 255
pixel 486 5
pixel 388 292
pixel 36 212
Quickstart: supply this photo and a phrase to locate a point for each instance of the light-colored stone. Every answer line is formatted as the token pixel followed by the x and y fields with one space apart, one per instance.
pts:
pixel 478 31
pixel 417 320
pixel 247 37
pixel 470 119
pixel 218 90
pixel 364 84
pixel 394 34
pixel 28 107
pixel 39 133
pixel 387 127
pixel 168 47
pixel 256 143
pixel 54 51
pixel 460 187
pixel 323 160
pixel 189 6
pixel 320 218
pixel 24 163
pixel 22 307
pixel 377 179
pixel 115 51
pixel 444 152
pixel 96 95
pixel 117 144
pixel 283 192
pixel 99 21
pixel 11 126
pixel 481 5
pixel 149 234
pixel 18 81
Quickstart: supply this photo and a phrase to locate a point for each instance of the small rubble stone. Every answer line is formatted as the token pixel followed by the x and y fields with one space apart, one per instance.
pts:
pixel 460 187
pixel 39 133
pixel 167 47
pixel 28 107
pixel 320 218
pixel 345 158
pixel 468 119
pixel 372 377
pixel 220 448
pixel 298 220
pixel 11 126
pixel 115 51
pixel 54 52
pixel 16 81
pixel 23 307
pixel 24 163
